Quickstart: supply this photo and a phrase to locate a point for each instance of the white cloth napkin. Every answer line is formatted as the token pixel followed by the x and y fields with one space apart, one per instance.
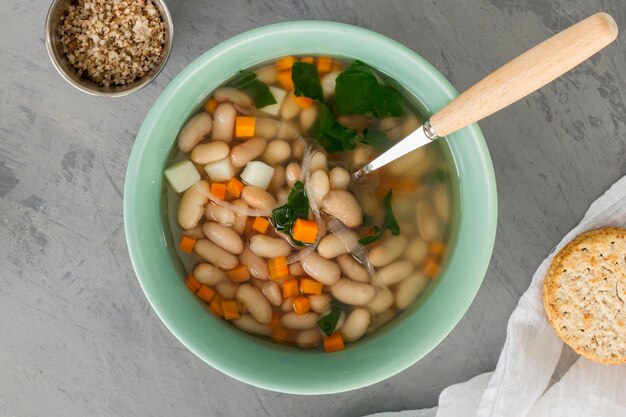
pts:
pixel 533 377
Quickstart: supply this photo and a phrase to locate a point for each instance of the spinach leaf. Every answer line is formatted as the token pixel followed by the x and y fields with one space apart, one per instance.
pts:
pixel 389 223
pixel 306 81
pixel 297 207
pixel 330 134
pixel 357 91
pixel 257 90
pixel 328 323
pixel 376 139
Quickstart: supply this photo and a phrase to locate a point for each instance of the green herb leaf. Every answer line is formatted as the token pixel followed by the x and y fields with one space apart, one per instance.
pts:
pixel 330 134
pixel 377 139
pixel 257 90
pixel 297 207
pixel 328 323
pixel 389 223
pixel 357 91
pixel 306 81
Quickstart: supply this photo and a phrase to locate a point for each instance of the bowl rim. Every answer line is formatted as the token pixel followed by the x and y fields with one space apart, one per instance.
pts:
pixel 120 92
pixel 144 181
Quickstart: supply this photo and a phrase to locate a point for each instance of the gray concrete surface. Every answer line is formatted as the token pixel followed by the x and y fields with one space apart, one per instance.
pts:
pixel 77 336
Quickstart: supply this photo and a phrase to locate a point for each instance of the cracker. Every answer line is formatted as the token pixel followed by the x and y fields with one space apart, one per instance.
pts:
pixel 584 295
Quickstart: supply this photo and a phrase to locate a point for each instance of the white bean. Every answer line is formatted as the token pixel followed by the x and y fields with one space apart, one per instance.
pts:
pixel 226 289
pixel 409 162
pixel 271 291
pixel 297 149
pixel 195 233
pixel 215 255
pixel 194 131
pixel 208 274
pixel 388 251
pixel 299 321
pixel 320 185
pixel 282 196
pixel 257 266
pixel 319 161
pixel 356 324
pixel 224 237
pixel 296 270
pixel 240 219
pixel 257 198
pixel 344 206
pixel 257 305
pixel 353 269
pixel 416 250
pixel 381 302
pixel 290 108
pixel 267 74
pixel 394 272
pixel 388 123
pixel 266 128
pixel 352 292
pixel 408 290
pixel 269 247
pixel 237 97
pixel 357 122
pixel 278 179
pixel 308 116
pixel 441 201
pixel 206 153
pixel 250 325
pixel 363 154
pixel 325 271
pixel 428 224
pixel 224 122
pixel 191 205
pixel 308 339
pixel 277 152
pixel 339 178
pixel 288 130
pixel 328 82
pixel 245 152
pixel 292 173
pixel 332 246
pixel 287 305
pixel 320 303
pixel 224 216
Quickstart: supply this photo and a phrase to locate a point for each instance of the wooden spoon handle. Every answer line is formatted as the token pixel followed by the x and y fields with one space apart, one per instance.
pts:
pixel 526 73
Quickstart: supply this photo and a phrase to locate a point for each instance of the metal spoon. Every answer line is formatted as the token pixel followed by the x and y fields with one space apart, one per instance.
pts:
pixel 511 82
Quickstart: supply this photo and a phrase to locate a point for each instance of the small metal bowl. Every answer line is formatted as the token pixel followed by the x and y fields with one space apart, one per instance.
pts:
pixel 58 9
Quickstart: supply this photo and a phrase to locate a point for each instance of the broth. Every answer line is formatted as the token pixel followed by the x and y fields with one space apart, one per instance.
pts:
pixel 243 266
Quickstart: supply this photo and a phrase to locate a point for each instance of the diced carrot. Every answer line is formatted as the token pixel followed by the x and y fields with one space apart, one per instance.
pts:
pixel 206 293
pixel 186 244
pixel 275 322
pixel 304 231
pixel 211 105
pixel 231 309
pixel 324 63
pixel 216 305
pixel 401 184
pixel 192 283
pixel 279 335
pixel 218 190
pixel 238 274
pixel 302 101
pixel 234 187
pixel 290 287
pixel 310 286
pixel 245 126
pixel 284 79
pixel 301 304
pixel 285 63
pixel 334 342
pixel 431 267
pixel 335 67
pixel 307 59
pixel 437 248
pixel 278 267
pixel 260 224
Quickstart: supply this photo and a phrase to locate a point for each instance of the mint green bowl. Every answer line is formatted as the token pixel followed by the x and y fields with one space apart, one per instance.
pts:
pixel 391 349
